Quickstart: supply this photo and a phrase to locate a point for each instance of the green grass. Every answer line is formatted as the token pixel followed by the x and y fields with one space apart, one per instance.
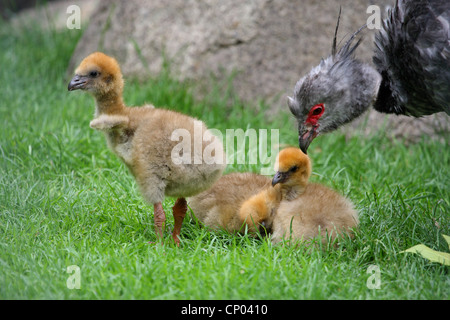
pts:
pixel 67 200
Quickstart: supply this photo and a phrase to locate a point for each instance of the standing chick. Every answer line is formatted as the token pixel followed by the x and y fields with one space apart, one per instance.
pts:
pixel 147 141
pixel 305 210
pixel 218 207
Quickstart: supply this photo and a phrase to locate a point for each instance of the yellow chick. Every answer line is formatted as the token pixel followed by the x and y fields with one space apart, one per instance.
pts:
pixel 303 210
pixel 289 181
pixel 147 140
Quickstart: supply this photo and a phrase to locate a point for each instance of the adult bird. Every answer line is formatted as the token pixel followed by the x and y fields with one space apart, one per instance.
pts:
pixel 412 76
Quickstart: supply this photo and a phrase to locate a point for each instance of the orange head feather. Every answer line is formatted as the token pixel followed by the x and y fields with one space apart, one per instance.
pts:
pixel 293 168
pixel 98 73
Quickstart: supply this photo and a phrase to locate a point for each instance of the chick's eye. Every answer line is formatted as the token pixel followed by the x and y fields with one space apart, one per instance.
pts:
pixel 293 169
pixel 94 74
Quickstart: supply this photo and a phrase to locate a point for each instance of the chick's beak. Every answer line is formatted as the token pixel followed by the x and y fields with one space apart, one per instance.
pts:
pixel 306 134
pixel 77 82
pixel 279 177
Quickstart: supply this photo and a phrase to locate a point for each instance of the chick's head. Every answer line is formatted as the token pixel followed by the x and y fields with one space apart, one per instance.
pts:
pixel 255 212
pixel 293 168
pixel 98 74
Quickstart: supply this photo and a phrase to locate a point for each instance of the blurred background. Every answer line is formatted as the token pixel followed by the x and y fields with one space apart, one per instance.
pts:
pixel 66 200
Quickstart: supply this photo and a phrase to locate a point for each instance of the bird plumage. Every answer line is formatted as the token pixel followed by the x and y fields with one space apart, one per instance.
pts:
pixel 218 207
pixel 317 211
pixel 288 207
pixel 293 169
pixel 303 210
pixel 343 85
pixel 142 137
pixel 413 56
pixel 412 74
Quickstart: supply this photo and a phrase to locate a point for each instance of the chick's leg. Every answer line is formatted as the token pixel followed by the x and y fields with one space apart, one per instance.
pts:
pixel 179 211
pixel 160 219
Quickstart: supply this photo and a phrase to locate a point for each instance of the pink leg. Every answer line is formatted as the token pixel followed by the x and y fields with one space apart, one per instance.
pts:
pixel 179 211
pixel 160 219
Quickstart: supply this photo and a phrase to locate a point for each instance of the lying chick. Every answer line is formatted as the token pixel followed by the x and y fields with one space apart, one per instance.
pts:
pixel 289 182
pixel 218 207
pixel 240 198
pixel 146 139
pixel 305 210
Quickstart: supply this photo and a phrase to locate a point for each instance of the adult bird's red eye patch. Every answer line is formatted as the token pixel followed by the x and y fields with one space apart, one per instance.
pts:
pixel 315 113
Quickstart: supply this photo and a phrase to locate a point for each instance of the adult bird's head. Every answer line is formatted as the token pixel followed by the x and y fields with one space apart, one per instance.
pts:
pixel 335 92
pixel 98 74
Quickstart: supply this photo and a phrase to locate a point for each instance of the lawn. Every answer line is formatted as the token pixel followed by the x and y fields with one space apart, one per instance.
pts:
pixel 66 200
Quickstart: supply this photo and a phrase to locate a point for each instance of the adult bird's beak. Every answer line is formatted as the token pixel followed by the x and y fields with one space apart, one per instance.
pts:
pixel 279 177
pixel 77 82
pixel 306 134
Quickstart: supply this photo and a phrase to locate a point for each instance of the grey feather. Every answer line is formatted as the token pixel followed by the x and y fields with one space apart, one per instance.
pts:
pixel 413 56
